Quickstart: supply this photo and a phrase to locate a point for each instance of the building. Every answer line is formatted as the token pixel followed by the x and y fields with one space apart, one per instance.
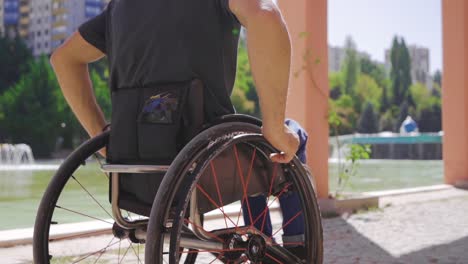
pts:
pixel 2 28
pixel 45 24
pixel 39 40
pixel 23 26
pixel 76 15
pixel 337 56
pixel 59 25
pixel 93 8
pixel 11 17
pixel 420 69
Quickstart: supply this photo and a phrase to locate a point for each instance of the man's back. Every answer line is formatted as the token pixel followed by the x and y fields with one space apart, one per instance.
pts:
pixel 159 41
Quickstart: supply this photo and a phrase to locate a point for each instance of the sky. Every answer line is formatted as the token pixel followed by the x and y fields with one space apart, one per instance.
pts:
pixel 373 24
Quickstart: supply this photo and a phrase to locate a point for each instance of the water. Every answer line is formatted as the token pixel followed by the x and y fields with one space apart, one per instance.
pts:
pixel 21 190
pixel 16 154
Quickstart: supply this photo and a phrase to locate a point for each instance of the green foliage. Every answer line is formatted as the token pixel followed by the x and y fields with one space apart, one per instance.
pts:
pixel 30 107
pixel 349 169
pixel 14 57
pixel 438 78
pixel 385 100
pixel 367 90
pixel 342 115
pixel 362 81
pixel 34 111
pixel 387 121
pixel 430 119
pixel 241 103
pixel 421 96
pixel 351 67
pixel 428 107
pixel 368 122
pixel 372 69
pixel 244 96
pixel 102 93
pixel 401 72
pixel 337 85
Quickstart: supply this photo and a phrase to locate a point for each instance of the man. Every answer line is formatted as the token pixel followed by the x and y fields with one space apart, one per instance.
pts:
pixel 144 42
pixel 161 41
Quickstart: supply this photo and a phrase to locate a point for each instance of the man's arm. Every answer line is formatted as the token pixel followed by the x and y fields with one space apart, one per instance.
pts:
pixel 269 48
pixel 70 63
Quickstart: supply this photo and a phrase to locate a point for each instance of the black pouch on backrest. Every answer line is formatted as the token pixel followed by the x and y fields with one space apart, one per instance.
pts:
pixel 151 125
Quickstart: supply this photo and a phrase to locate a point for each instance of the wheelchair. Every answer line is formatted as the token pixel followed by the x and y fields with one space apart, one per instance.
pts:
pixel 202 211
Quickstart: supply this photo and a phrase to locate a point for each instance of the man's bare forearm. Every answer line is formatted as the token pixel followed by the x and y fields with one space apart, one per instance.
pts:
pixel 76 86
pixel 70 63
pixel 269 49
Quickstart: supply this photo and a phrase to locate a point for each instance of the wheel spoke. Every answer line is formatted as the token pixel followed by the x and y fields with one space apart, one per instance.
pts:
pixel 288 223
pixel 215 178
pixel 96 252
pixel 125 253
pixel 214 203
pixel 273 258
pixel 92 197
pixel 134 251
pixel 290 244
pixel 102 251
pixel 241 176
pixel 208 233
pixel 218 257
pixel 275 173
pixel 270 204
pixel 85 215
pixel 212 251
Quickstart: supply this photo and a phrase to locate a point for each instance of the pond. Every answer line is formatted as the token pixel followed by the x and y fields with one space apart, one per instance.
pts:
pixel 21 190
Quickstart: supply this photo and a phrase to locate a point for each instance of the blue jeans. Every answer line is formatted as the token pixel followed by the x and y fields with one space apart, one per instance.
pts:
pixel 289 201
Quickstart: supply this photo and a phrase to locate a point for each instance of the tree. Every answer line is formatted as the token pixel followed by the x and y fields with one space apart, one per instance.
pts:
pixel 351 67
pixel 336 83
pixel 241 103
pixel 367 90
pixel 244 96
pixel 400 74
pixel 403 113
pixel 385 104
pixel 430 119
pixel 374 70
pixel 29 109
pixel 421 96
pixel 387 121
pixel 344 114
pixel 14 58
pixel 368 122
pixel 438 78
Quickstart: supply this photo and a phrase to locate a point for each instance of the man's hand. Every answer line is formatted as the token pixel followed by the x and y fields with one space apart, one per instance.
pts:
pixel 285 140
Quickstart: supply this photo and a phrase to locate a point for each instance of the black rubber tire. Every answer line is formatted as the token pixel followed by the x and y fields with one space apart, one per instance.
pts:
pixel 53 191
pixel 172 184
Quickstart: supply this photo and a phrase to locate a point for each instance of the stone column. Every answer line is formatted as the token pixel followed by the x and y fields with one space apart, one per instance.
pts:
pixel 308 97
pixel 455 91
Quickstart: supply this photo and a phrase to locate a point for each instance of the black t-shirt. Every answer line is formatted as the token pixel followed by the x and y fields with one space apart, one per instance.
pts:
pixel 158 41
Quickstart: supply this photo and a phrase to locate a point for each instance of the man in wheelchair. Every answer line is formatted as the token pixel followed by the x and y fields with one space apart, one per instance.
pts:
pixel 172 67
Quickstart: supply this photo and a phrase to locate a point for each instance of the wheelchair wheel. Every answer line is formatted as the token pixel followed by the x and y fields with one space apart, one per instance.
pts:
pixel 254 210
pixel 74 223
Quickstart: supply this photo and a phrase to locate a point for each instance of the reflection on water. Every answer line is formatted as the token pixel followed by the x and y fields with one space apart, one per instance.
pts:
pixel 15 184
pixel 375 175
pixel 21 190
